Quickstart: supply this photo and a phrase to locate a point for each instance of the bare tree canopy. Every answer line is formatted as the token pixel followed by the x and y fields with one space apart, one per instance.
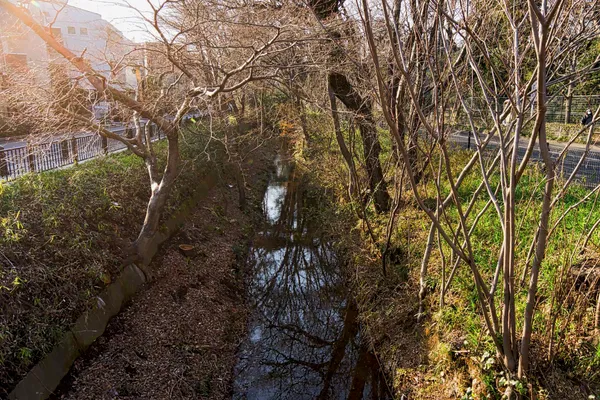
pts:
pixel 398 86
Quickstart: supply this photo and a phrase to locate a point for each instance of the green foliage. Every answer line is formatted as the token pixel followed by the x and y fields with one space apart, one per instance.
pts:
pixel 468 395
pixel 590 85
pixel 11 228
pixel 63 236
pixel 489 380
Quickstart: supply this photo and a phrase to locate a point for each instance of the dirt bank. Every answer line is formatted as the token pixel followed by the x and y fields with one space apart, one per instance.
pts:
pixel 178 337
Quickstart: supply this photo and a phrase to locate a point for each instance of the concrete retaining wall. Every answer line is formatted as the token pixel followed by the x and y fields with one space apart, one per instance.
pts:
pixel 41 381
pixel 45 377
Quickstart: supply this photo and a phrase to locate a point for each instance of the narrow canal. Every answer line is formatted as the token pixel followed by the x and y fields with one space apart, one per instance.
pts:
pixel 304 338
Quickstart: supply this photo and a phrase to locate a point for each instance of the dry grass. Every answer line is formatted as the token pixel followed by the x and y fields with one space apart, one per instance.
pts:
pixel 449 355
pixel 178 338
pixel 63 236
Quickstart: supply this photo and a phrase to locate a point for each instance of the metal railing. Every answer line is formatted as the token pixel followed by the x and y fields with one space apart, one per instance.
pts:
pixel 22 160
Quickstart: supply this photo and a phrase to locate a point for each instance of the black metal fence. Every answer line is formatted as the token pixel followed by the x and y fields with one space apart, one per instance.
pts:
pixel 61 152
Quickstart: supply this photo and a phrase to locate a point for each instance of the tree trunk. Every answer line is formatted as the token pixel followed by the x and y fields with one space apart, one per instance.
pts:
pixel 569 103
pixel 352 184
pixel 302 112
pixel 346 93
pixel 243 105
pixel 397 99
pixel 423 273
pixel 540 248
pixel 597 319
pixel 569 97
pixel 147 240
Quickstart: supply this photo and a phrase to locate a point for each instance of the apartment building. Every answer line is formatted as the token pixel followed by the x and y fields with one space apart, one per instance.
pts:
pixel 83 32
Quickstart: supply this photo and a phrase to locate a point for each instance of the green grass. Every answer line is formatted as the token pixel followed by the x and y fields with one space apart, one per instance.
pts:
pixel 462 313
pixel 63 236
pixel 461 317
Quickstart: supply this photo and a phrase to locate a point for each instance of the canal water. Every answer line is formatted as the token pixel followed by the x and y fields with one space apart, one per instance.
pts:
pixel 304 339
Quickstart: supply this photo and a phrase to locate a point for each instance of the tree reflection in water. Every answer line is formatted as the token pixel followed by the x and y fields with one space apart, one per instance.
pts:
pixel 304 340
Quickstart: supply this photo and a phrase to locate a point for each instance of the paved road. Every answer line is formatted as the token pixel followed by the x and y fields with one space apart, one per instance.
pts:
pixel 588 174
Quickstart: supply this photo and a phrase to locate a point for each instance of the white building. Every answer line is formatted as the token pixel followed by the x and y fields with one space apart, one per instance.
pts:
pixel 21 51
pixel 83 32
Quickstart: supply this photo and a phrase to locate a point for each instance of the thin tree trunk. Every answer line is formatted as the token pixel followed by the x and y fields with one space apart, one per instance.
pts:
pixel 570 88
pixel 243 105
pixel 540 31
pixel 344 91
pixel 341 143
pixel 372 149
pixel 301 111
pixel 569 103
pixel 423 273
pixel 597 319
pixel 144 244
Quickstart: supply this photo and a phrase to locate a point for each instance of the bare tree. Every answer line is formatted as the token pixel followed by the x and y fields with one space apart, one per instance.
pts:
pixel 442 45
pixel 203 66
pixel 342 66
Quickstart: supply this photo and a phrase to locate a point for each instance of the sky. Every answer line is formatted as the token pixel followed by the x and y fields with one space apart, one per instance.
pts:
pixel 119 14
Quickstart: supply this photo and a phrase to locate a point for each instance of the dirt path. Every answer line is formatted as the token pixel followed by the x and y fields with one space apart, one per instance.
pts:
pixel 179 336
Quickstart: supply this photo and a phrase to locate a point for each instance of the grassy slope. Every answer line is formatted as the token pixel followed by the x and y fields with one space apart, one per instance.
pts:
pixel 450 354
pixel 63 235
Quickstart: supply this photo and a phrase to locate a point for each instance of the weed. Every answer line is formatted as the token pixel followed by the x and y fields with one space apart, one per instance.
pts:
pixel 63 235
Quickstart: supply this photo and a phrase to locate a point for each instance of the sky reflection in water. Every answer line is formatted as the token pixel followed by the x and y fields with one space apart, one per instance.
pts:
pixel 303 340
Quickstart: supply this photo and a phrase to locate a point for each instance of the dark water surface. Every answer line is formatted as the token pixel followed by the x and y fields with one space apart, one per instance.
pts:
pixel 304 337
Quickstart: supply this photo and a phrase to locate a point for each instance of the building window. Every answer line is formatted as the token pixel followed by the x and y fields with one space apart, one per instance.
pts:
pixel 71 30
pixel 83 31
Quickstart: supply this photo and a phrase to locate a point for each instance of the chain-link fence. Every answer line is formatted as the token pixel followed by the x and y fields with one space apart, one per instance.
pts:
pixel 558 106
pixel 556 112
pixel 587 175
